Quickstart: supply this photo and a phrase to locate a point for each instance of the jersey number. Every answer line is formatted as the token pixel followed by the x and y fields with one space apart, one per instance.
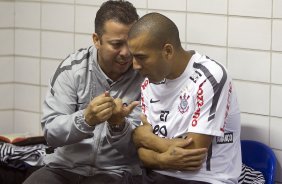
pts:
pixel 163 116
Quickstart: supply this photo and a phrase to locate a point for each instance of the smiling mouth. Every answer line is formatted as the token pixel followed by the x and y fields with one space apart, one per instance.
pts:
pixel 125 63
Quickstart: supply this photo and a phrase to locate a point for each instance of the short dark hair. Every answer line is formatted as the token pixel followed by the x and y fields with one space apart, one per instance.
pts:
pixel 158 28
pixel 120 11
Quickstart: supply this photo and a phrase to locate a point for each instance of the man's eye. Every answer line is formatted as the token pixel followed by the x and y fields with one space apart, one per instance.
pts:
pixel 140 58
pixel 116 45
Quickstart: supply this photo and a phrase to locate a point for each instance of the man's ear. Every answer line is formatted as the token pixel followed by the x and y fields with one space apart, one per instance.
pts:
pixel 168 51
pixel 96 40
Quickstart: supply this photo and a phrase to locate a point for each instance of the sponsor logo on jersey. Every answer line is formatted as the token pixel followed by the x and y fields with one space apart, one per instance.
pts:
pixel 143 106
pixel 183 106
pixel 145 84
pixel 195 76
pixel 154 101
pixel 200 103
pixel 160 131
pixel 227 138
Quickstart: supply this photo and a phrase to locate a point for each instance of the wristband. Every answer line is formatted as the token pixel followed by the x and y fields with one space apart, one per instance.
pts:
pixel 81 123
pixel 117 127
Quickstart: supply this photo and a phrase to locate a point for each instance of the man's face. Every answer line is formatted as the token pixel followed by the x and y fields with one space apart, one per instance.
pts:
pixel 149 61
pixel 113 54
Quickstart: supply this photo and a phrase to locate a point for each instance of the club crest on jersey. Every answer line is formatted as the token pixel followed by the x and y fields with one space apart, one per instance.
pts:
pixel 183 106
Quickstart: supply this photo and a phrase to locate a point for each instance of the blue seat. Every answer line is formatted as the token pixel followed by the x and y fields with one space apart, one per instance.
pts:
pixel 259 157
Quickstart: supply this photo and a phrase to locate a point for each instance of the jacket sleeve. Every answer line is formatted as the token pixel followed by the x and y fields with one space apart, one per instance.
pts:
pixel 122 140
pixel 61 123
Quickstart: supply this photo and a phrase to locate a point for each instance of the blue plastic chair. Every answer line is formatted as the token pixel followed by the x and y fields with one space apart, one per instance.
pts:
pixel 259 157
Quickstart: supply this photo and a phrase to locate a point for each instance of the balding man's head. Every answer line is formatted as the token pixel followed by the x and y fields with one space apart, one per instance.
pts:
pixel 159 30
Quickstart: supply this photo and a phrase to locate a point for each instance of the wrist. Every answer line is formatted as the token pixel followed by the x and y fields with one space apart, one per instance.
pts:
pixel 81 124
pixel 88 119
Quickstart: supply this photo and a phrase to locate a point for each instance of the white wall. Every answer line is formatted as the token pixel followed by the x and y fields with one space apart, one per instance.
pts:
pixel 244 35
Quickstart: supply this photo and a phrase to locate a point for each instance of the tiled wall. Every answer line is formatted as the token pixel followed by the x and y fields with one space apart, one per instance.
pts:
pixel 244 35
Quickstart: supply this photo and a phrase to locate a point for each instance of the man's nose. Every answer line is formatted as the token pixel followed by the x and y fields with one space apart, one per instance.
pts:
pixel 136 65
pixel 124 50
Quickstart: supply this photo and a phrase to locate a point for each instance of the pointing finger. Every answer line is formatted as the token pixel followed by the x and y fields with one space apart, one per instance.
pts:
pixel 144 119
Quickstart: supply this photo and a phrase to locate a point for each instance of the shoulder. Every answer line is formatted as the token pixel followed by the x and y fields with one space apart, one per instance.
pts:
pixel 209 68
pixel 75 64
pixel 77 60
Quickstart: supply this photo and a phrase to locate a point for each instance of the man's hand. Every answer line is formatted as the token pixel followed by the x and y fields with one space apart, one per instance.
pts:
pixel 99 109
pixel 120 111
pixel 163 153
pixel 179 158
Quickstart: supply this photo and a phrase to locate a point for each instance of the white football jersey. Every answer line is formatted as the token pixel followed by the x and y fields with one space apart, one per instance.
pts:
pixel 202 100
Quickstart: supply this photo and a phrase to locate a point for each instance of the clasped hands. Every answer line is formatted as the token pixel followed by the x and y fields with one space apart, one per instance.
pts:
pixel 105 108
